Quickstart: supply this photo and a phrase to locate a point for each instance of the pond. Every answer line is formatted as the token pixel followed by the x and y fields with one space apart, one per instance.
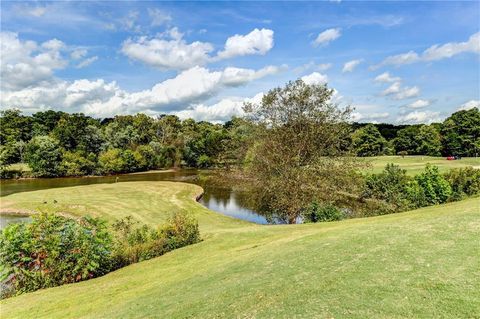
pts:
pixel 9 219
pixel 223 198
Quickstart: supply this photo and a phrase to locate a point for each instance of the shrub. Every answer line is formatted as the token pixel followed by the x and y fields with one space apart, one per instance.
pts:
pixel 463 182
pixel 394 187
pixel 322 213
pixel 435 187
pixel 136 242
pixel 180 230
pixel 53 250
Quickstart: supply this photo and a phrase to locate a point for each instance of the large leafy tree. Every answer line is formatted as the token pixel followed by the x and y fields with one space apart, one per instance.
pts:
pixel 44 156
pixel 298 153
pixel 406 140
pixel 45 122
pixel 71 130
pixel 367 141
pixel 428 141
pixel 461 133
pixel 14 127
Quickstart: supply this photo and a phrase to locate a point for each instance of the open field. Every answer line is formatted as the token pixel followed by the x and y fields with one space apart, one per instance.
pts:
pixel 415 164
pixel 419 264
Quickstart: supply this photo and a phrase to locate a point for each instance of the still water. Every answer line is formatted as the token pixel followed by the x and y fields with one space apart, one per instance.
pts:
pixel 220 197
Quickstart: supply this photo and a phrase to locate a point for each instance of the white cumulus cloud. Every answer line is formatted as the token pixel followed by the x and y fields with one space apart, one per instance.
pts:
pixel 386 78
pixel 351 65
pixel 99 98
pixel 315 78
pixel 327 36
pixel 169 50
pixel 219 112
pixel 255 42
pixel 164 53
pixel 25 63
pixel 407 92
pixel 418 117
pixel 435 52
pixel 469 105
pixel 418 104
pixel 401 93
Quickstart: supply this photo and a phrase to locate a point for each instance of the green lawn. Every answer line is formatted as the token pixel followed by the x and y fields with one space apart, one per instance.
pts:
pixel 415 164
pixel 419 264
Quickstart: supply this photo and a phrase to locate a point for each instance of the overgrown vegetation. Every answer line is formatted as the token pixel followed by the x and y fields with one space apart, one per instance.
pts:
pixel 400 192
pixel 54 250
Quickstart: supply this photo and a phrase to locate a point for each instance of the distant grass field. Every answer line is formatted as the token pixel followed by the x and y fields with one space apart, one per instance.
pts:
pixel 419 264
pixel 19 167
pixel 415 164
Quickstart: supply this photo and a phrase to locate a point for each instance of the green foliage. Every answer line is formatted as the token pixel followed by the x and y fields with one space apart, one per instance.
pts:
pixel 44 156
pixel 75 164
pixel 203 161
pixel 45 122
pixel 394 187
pixel 463 182
pixel 299 154
pixel 204 141
pixel 53 250
pixel 461 133
pixel 136 242
pixel 428 141
pixel 132 161
pixel 367 141
pixel 77 131
pixel 407 141
pixel 14 127
pixel 435 187
pixel 322 213
pixel 10 154
pixel 111 162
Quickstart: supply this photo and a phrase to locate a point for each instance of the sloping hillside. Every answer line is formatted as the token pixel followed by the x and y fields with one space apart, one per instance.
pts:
pixel 424 263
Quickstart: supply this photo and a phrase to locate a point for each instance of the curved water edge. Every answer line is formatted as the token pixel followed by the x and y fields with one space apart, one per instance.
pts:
pixel 223 197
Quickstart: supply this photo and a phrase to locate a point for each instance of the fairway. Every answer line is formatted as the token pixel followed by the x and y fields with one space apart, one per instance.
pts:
pixel 415 164
pixel 418 264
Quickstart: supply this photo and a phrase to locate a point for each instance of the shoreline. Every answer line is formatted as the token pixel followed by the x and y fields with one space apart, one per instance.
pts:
pixel 169 170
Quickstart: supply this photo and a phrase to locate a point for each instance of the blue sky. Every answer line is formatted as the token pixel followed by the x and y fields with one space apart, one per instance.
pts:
pixel 397 62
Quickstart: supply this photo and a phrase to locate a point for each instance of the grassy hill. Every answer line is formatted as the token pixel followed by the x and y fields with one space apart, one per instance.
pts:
pixel 419 264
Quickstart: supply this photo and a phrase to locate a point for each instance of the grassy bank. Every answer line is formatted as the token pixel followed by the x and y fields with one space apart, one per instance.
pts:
pixel 415 164
pixel 416 264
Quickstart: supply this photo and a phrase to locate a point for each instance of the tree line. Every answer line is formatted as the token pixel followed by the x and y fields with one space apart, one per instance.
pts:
pixel 458 135
pixel 55 143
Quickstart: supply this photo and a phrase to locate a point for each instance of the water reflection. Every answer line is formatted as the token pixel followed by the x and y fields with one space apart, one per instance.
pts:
pixel 221 194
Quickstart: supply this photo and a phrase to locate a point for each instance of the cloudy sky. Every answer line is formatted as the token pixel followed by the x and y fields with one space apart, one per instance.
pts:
pixel 397 62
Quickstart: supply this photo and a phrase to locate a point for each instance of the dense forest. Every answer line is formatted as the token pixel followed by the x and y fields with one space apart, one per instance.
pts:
pixel 55 143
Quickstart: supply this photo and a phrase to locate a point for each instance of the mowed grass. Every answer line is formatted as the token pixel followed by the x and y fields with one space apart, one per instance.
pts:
pixel 419 264
pixel 416 164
